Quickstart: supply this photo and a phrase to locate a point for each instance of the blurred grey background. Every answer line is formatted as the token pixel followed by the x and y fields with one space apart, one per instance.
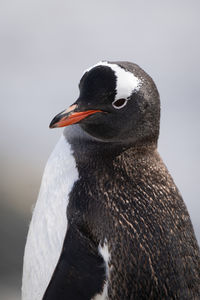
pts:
pixel 44 48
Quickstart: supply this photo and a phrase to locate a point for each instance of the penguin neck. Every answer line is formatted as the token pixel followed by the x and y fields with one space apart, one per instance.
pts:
pixel 87 147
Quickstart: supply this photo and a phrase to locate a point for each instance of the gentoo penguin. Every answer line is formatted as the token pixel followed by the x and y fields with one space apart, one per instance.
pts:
pixel 109 222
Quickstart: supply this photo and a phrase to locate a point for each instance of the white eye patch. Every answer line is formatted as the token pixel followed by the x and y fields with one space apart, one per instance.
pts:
pixel 126 82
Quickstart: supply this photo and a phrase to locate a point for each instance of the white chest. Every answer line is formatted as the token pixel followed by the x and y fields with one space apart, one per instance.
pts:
pixel 49 222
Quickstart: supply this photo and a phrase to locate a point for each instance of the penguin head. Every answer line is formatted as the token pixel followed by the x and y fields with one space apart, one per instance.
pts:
pixel 118 102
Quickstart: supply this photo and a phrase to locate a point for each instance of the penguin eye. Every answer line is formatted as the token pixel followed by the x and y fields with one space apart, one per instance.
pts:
pixel 119 103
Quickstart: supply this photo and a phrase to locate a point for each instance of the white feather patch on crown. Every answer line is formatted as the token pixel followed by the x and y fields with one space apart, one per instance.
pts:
pixel 126 82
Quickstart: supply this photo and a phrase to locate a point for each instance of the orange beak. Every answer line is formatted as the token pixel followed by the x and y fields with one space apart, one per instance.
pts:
pixel 69 117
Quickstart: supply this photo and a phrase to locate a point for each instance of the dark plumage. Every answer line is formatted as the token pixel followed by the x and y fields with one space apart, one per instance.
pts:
pixel 126 197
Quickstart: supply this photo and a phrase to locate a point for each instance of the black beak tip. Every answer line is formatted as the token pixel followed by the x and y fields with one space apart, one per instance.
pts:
pixel 51 126
pixel 53 122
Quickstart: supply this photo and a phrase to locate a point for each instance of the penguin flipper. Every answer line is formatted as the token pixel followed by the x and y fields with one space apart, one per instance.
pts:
pixel 80 272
